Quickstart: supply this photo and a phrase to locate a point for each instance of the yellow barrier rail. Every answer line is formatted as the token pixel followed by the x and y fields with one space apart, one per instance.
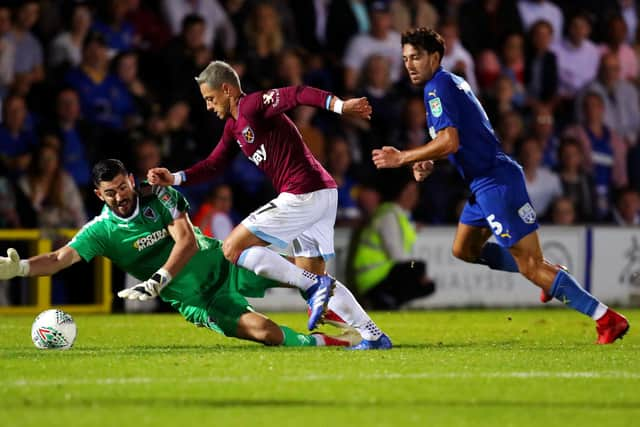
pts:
pixel 40 287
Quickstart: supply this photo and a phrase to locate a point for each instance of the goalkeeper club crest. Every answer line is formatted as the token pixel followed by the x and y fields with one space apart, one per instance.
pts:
pixel 149 214
pixel 527 213
pixel 248 134
pixel 435 106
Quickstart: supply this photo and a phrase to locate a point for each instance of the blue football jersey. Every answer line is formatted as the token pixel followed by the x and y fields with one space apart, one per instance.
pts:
pixel 449 101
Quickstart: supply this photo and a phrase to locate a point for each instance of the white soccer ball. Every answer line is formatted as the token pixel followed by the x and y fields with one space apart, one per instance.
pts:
pixel 53 329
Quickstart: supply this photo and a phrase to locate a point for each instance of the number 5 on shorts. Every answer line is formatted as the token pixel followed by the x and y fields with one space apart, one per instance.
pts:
pixel 495 225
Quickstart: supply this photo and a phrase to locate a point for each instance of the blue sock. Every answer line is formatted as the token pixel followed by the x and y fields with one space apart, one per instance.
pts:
pixel 568 291
pixel 497 258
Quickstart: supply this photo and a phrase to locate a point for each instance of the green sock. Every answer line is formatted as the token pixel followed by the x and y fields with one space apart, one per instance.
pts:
pixel 295 339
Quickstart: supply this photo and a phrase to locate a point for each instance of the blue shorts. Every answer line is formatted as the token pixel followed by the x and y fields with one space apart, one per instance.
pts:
pixel 503 205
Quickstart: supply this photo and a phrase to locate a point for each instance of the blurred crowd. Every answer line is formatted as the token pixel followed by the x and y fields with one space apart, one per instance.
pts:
pixel 85 80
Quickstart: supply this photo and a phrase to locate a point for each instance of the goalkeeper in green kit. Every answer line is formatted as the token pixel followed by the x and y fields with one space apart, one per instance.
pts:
pixel 147 233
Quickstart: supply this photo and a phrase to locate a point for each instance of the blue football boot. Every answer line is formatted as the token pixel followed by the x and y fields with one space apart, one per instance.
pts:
pixel 318 297
pixel 382 343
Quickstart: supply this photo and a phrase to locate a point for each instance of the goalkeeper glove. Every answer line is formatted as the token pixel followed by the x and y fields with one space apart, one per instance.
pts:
pixel 148 289
pixel 11 265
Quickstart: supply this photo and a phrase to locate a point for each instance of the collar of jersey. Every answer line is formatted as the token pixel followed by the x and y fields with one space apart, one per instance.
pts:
pixel 130 217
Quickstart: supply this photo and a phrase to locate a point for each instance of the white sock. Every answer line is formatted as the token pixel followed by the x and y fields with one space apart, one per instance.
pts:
pixel 344 304
pixel 601 309
pixel 267 263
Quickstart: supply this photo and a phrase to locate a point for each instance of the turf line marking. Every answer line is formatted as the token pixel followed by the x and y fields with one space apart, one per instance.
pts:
pixel 390 376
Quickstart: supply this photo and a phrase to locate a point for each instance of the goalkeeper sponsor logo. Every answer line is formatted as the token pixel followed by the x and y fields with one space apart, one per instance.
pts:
pixel 150 240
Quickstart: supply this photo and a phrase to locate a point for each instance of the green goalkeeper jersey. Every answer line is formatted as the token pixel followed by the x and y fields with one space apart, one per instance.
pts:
pixel 141 244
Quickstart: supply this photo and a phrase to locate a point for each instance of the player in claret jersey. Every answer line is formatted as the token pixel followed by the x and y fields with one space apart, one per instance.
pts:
pixel 305 210
pixel 460 130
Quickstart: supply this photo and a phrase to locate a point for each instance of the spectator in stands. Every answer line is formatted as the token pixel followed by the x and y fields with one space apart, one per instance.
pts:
pixel 346 19
pixel 178 142
pixel 512 65
pixel 412 132
pixel 385 271
pixel 311 20
pixel 510 131
pixel 616 43
pixel 407 14
pixel 214 215
pixel 543 185
pixel 265 42
pixel 66 48
pixel 53 193
pixel 78 141
pixel 111 21
pixel 104 99
pixel 532 11
pixel 376 86
pixel 543 129
pixel 217 25
pixel 7 52
pixel 605 151
pixel 621 99
pixel 578 57
pixel 627 207
pixel 577 186
pixel 125 67
pixel 503 99
pixel 17 137
pixel 456 58
pixel 29 63
pixel 484 24
pixel 339 166
pixel 146 155
pixel 563 211
pixel 9 217
pixel 541 69
pixel 381 40
pixel 151 31
pixel 183 58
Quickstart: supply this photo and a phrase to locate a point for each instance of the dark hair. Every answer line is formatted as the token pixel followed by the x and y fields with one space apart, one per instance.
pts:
pixel 190 20
pixel 424 38
pixel 107 170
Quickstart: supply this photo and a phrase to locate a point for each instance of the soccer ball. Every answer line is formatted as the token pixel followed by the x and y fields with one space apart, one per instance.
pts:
pixel 53 329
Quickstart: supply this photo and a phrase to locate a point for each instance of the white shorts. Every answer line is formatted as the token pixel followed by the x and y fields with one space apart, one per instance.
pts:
pixel 304 220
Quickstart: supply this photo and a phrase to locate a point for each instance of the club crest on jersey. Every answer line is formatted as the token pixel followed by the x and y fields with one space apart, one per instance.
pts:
pixel 248 134
pixel 527 213
pixel 149 213
pixel 435 106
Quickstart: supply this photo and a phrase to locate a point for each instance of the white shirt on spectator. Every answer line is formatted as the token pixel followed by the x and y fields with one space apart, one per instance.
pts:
pixel 62 49
pixel 621 107
pixel 221 225
pixel 457 53
pixel 217 21
pixel 532 11
pixel 543 189
pixel 362 46
pixel 577 65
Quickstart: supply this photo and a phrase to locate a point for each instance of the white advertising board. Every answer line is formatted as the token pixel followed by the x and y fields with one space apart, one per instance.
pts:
pixel 459 284
pixel 615 265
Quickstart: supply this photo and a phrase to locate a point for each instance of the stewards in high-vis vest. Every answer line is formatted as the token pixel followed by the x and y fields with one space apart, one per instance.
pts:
pixel 386 274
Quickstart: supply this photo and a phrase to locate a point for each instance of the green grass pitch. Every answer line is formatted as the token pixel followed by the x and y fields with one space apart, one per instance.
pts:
pixel 448 368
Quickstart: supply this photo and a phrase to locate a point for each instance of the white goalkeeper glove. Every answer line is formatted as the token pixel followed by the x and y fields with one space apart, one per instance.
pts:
pixel 11 265
pixel 148 289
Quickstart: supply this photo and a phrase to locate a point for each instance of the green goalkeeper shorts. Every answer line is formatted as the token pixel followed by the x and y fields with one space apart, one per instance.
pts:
pixel 219 306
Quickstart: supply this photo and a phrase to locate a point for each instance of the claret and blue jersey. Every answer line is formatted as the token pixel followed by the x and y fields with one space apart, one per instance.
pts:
pixel 500 200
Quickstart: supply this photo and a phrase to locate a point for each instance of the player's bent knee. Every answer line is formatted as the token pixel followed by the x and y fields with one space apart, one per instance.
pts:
pixel 462 254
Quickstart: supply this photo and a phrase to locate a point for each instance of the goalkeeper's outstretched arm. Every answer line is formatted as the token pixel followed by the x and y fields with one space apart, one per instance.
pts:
pixel 39 265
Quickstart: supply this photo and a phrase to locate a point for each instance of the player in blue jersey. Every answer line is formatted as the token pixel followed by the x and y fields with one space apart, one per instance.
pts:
pixel 460 130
